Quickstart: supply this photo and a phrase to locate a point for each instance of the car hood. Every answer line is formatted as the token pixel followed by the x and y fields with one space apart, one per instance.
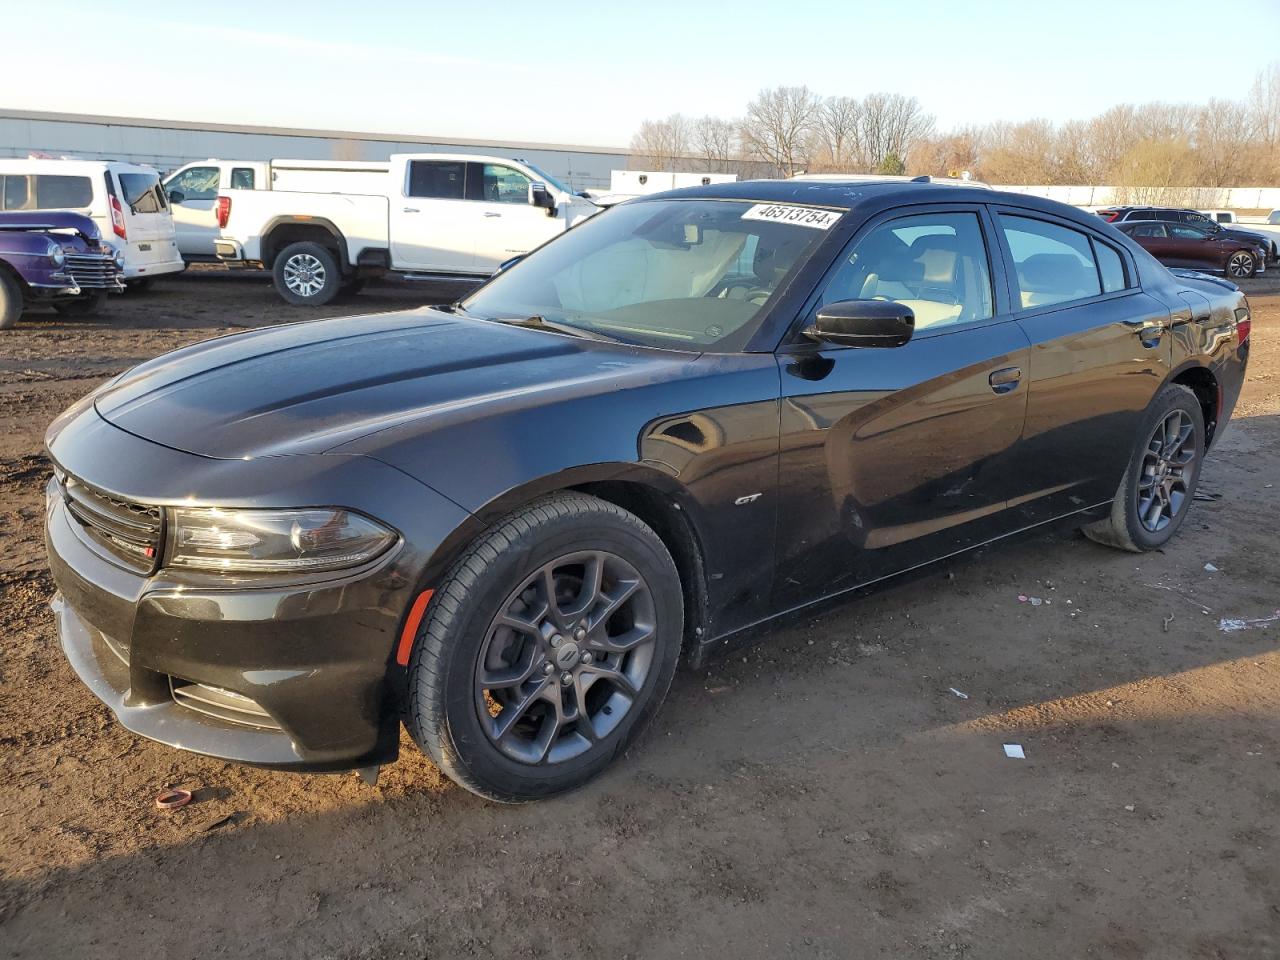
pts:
pixel 1244 236
pixel 309 387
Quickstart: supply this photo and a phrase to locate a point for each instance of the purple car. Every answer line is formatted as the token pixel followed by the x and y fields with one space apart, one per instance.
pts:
pixel 54 258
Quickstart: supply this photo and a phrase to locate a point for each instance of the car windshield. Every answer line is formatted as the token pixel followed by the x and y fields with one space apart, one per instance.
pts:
pixel 679 274
pixel 547 178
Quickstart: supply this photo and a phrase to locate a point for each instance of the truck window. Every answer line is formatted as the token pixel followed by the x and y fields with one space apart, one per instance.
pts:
pixel 504 184
pixel 195 183
pixel 241 178
pixel 438 179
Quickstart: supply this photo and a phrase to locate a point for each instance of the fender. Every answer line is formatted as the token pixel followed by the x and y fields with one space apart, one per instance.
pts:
pixel 268 248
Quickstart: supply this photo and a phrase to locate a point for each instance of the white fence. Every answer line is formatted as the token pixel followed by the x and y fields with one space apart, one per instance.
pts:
pixel 1211 198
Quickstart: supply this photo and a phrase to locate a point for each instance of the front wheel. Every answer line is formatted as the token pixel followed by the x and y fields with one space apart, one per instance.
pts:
pixel 1160 481
pixel 546 650
pixel 307 274
pixel 10 301
pixel 1241 265
pixel 81 306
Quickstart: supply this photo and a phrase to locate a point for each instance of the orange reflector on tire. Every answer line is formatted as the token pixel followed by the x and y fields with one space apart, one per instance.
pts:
pixel 411 627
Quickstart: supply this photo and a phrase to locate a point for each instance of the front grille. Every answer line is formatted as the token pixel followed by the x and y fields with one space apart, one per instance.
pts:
pixel 222 704
pixel 93 271
pixel 130 531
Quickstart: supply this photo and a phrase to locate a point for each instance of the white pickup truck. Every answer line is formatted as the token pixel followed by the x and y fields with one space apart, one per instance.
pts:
pixel 193 190
pixel 433 217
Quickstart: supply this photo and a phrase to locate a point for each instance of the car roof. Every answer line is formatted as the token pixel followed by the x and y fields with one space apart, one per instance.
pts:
pixel 866 196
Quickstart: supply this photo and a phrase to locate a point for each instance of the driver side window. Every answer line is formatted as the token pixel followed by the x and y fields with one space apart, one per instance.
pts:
pixel 197 183
pixel 934 263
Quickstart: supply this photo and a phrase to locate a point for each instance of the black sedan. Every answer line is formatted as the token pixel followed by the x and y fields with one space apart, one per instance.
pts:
pixel 506 521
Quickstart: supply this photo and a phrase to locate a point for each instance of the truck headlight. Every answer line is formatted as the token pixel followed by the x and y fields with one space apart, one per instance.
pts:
pixel 273 541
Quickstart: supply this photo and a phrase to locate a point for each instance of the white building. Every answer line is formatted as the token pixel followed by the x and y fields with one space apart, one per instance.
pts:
pixel 166 144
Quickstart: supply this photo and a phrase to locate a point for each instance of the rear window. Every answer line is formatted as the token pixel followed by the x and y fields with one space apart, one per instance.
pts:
pixel 141 191
pixel 42 191
pixel 241 178
pixel 443 180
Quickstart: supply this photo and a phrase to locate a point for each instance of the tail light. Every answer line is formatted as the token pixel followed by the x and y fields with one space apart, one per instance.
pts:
pixel 223 211
pixel 1108 215
pixel 117 220
pixel 1244 324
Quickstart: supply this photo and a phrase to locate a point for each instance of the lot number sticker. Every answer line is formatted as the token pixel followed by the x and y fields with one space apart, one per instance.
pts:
pixel 801 216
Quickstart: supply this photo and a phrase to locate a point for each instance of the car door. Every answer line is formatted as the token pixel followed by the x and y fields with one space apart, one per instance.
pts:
pixel 890 457
pixel 1153 237
pixel 1100 349
pixel 1196 247
pixel 192 194
pixel 509 226
pixel 434 227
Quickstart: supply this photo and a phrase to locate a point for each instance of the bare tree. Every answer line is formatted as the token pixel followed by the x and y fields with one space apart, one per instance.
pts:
pixel 835 132
pixel 889 124
pixel 715 141
pixel 777 126
pixel 660 144
pixel 1221 137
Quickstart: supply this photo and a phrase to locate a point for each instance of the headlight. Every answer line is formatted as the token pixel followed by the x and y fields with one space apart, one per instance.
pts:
pixel 273 541
pixel 119 263
pixel 56 254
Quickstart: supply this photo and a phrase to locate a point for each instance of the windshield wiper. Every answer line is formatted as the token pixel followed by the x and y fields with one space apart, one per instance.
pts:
pixel 537 322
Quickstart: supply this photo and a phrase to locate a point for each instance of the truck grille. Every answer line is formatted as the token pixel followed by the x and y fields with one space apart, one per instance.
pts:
pixel 93 271
pixel 223 704
pixel 130 531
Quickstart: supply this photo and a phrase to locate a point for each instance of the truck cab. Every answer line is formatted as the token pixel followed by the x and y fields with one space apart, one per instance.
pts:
pixel 460 214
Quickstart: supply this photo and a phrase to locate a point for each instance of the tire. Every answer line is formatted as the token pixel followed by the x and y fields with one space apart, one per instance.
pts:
pixel 459 650
pixel 11 301
pixel 1128 527
pixel 1241 265
pixel 82 305
pixel 307 275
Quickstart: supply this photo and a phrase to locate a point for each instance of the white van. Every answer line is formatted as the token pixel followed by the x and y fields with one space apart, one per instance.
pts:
pixel 125 200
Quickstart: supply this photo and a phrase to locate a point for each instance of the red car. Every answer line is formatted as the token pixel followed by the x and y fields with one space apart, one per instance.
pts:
pixel 1187 245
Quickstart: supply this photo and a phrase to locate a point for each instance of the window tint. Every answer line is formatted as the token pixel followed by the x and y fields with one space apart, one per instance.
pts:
pixel 57 192
pixel 443 180
pixel 1054 264
pixel 140 191
pixel 504 185
pixel 1110 268
pixel 17 193
pixel 934 263
pixel 197 183
pixel 1142 215
pixel 1186 231
pixel 241 178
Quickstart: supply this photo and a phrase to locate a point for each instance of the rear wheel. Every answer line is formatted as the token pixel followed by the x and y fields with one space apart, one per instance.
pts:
pixel 307 274
pixel 547 649
pixel 1241 265
pixel 1160 481
pixel 10 301
pixel 81 306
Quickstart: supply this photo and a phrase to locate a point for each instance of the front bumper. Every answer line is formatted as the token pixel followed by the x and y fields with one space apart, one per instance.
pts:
pixel 298 675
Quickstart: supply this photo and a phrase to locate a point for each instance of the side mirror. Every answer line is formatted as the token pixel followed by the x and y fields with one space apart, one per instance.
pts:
pixel 863 323
pixel 540 196
pixel 176 196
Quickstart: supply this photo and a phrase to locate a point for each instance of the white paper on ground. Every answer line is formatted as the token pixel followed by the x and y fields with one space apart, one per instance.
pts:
pixel 1014 750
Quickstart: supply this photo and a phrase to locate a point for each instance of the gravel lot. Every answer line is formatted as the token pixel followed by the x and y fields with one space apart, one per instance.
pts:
pixel 823 795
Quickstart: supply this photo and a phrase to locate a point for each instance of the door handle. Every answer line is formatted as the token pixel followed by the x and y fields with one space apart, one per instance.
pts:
pixel 410 209
pixel 1005 380
pixel 489 213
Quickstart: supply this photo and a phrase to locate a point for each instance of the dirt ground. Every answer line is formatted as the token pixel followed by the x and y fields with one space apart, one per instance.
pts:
pixel 825 794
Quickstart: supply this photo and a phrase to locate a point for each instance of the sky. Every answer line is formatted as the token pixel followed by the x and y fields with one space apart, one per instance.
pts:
pixel 588 72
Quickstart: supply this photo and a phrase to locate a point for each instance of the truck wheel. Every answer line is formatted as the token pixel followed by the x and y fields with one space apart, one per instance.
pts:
pixel 81 306
pixel 307 275
pixel 10 302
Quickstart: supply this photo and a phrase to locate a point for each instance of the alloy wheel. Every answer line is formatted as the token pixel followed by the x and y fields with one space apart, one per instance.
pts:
pixel 304 274
pixel 565 658
pixel 1240 265
pixel 1168 465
